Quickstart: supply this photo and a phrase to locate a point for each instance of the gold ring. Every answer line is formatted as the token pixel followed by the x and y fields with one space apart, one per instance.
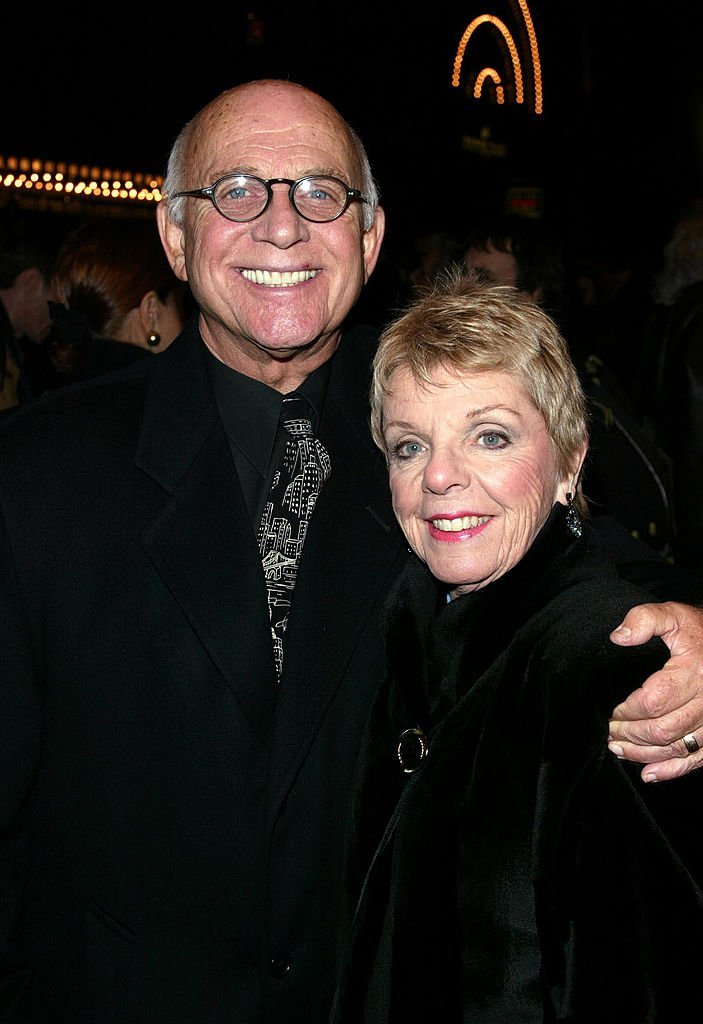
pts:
pixel 691 743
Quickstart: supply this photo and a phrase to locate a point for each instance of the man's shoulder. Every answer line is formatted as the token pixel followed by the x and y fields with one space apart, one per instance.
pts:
pixel 358 346
pixel 56 443
pixel 351 365
pixel 360 334
pixel 639 564
pixel 98 400
pixel 93 411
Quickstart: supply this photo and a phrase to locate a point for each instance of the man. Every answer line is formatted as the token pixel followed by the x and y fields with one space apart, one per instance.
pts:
pixel 174 809
pixel 519 251
pixel 626 475
pixel 27 250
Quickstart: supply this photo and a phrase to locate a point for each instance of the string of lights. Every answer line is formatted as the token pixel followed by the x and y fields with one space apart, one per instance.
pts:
pixel 66 180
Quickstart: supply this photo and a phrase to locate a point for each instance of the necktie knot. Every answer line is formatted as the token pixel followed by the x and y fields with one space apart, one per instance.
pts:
pixel 295 416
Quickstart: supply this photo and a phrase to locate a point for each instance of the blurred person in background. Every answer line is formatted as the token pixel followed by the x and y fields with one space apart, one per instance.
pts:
pixel 670 374
pixel 28 246
pixel 115 298
pixel 627 474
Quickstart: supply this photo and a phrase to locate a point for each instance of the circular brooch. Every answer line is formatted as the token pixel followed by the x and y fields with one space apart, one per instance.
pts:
pixel 412 749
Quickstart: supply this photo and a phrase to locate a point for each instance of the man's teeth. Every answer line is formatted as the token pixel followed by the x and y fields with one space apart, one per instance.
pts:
pixel 278 278
pixel 461 523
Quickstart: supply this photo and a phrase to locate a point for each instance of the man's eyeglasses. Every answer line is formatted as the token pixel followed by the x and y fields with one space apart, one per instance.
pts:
pixel 244 197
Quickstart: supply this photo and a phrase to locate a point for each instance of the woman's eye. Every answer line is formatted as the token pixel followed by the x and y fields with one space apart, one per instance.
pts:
pixel 406 449
pixel 492 439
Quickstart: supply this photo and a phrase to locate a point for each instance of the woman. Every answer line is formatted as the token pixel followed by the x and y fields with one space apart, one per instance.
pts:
pixel 505 866
pixel 117 299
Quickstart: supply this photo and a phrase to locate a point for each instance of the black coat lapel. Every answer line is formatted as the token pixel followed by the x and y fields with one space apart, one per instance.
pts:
pixel 350 557
pixel 202 542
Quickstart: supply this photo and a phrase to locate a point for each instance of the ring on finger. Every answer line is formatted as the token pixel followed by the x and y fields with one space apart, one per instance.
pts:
pixel 691 743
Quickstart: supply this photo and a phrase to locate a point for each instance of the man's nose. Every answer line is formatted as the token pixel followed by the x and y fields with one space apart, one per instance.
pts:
pixel 280 224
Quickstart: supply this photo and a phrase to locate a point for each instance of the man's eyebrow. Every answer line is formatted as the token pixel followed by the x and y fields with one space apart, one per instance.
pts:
pixel 310 172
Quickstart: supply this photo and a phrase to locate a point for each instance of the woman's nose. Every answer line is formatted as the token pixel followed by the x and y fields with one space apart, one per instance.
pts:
pixel 444 470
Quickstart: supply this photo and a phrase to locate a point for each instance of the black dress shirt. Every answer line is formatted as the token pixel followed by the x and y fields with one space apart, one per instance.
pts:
pixel 250 413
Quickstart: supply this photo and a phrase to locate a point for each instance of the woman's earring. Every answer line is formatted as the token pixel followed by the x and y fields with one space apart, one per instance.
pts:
pixel 153 339
pixel 573 519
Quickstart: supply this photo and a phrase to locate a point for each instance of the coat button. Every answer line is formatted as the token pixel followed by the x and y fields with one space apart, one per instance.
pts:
pixel 411 750
pixel 279 965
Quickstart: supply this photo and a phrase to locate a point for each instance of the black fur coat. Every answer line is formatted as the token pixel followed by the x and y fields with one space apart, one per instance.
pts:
pixel 526 873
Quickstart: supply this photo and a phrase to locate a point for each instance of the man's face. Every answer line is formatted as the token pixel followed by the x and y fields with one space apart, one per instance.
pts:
pixel 250 314
pixel 30 305
pixel 500 267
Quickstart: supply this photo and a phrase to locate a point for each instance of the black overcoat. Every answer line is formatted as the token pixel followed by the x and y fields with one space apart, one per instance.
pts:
pixel 528 875
pixel 171 821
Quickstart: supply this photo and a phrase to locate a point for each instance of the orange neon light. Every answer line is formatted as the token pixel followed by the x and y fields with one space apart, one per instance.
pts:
pixel 490 73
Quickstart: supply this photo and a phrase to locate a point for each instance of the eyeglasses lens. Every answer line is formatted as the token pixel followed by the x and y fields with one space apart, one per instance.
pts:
pixel 319 199
pixel 243 197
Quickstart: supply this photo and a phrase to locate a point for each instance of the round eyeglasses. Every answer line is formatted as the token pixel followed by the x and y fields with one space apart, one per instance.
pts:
pixel 244 197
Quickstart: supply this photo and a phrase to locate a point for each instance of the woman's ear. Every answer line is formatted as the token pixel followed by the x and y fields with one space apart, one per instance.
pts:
pixel 149 309
pixel 578 468
pixel 570 482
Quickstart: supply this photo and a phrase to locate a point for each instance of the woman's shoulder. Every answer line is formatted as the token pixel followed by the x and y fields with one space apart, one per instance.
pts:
pixel 569 645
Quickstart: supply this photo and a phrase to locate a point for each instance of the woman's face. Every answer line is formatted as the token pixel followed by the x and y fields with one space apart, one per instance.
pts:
pixel 473 472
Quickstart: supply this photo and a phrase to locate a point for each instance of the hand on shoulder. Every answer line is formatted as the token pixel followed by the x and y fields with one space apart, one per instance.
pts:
pixel 661 724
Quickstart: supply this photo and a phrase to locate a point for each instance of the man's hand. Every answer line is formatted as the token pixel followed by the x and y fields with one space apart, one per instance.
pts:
pixel 650 726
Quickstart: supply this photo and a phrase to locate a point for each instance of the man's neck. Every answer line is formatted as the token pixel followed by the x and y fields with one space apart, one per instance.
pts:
pixel 280 371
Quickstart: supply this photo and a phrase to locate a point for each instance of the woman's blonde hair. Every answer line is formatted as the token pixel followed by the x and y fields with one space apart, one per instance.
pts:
pixel 465 325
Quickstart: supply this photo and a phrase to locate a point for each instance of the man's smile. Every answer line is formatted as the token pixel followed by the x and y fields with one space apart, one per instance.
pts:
pixel 278 278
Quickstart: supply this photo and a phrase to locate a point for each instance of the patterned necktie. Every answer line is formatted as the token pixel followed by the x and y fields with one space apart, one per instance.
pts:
pixel 304 467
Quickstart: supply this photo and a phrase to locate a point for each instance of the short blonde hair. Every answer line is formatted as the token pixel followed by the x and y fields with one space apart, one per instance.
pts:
pixel 465 325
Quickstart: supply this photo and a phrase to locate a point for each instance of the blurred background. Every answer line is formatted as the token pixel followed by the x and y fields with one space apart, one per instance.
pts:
pixel 584 117
pixel 605 137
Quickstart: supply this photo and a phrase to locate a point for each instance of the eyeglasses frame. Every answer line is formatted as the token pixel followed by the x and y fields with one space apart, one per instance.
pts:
pixel 352 194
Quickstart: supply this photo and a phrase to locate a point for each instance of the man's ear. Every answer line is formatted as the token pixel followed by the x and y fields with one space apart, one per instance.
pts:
pixel 30 281
pixel 172 239
pixel 371 242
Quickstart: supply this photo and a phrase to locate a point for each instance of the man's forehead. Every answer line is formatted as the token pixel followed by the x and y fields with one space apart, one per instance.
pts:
pixel 256 134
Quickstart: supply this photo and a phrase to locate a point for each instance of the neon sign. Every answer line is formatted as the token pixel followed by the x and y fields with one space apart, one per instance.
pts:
pixel 489 78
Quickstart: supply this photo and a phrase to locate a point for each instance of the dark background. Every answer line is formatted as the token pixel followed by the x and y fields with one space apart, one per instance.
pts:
pixel 617 150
